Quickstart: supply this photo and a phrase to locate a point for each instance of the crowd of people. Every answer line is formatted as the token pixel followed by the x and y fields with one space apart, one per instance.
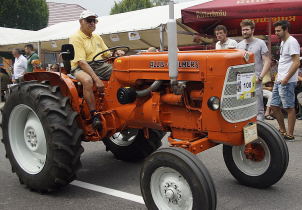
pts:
pixel 277 81
pixel 22 64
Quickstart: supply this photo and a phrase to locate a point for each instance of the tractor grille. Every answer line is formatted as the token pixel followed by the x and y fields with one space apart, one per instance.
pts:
pixel 234 110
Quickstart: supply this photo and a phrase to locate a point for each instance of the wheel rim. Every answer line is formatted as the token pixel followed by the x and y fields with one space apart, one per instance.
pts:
pixel 124 138
pixel 249 166
pixel 27 139
pixel 170 190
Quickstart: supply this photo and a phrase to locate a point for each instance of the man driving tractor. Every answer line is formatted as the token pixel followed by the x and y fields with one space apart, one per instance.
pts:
pixel 86 46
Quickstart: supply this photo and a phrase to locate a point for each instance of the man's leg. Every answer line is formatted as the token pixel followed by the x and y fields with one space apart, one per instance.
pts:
pixel 87 83
pixel 259 94
pixel 280 118
pixel 86 80
pixel 102 70
pixel 291 117
pixel 288 100
pixel 268 94
pixel 275 106
pixel 299 98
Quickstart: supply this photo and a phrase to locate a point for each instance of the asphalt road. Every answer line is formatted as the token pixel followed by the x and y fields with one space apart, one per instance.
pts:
pixel 102 169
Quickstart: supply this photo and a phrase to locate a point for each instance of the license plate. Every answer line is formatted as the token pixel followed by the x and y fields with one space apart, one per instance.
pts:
pixel 246 85
pixel 250 133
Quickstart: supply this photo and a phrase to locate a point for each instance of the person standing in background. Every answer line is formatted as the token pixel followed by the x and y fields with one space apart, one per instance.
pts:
pixel 20 66
pixel 31 55
pixel 287 77
pixel 223 41
pixel 298 90
pixel 262 59
pixel 55 67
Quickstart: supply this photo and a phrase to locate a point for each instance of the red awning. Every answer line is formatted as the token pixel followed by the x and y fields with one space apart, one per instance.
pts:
pixel 204 17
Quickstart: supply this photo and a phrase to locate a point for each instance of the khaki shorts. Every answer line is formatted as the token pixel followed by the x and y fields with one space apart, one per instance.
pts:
pixel 102 70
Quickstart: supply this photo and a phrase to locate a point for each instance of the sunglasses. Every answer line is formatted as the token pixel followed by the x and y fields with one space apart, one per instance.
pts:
pixel 246 47
pixel 90 20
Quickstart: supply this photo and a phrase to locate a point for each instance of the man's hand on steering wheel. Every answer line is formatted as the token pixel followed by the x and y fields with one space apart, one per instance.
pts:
pixel 119 53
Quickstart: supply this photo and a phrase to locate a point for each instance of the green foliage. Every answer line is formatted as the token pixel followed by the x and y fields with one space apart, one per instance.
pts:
pixel 23 14
pixel 160 2
pixel 130 5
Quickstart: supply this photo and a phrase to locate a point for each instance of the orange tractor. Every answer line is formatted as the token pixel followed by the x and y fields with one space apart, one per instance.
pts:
pixel 46 118
pixel 202 98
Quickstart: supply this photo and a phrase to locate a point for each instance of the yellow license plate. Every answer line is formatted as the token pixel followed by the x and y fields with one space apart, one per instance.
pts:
pixel 250 133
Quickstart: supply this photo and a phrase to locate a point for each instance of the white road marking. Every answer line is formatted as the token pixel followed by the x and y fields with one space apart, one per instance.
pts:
pixel 108 191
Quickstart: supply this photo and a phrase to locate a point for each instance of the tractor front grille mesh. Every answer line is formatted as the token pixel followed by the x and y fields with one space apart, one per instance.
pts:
pixel 232 109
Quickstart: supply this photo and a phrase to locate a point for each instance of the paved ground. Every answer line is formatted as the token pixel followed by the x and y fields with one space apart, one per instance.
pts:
pixel 101 169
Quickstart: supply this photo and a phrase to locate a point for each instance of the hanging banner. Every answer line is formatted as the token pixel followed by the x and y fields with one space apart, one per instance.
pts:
pixel 133 36
pixel 53 44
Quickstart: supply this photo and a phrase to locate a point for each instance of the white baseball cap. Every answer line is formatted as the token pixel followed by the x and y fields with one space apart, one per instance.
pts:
pixel 87 13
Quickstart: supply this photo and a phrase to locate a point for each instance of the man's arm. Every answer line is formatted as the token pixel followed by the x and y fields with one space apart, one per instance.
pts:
pixel 266 65
pixel 293 68
pixel 87 68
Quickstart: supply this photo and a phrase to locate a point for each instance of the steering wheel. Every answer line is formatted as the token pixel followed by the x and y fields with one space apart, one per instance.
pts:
pixel 113 49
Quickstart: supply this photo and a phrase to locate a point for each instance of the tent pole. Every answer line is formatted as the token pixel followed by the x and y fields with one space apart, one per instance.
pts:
pixel 270 36
pixel 39 49
pixel 161 38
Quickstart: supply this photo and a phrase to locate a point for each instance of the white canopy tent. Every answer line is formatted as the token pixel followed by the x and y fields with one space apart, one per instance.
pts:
pixel 9 36
pixel 146 22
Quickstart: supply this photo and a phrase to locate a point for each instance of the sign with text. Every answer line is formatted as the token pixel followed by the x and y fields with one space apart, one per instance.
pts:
pixel 246 85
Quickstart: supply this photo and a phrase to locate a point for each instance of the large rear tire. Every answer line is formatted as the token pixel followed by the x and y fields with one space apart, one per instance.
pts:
pixel 131 144
pixel 261 163
pixel 175 179
pixel 41 136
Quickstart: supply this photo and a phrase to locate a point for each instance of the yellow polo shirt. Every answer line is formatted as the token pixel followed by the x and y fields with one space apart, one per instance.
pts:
pixel 85 47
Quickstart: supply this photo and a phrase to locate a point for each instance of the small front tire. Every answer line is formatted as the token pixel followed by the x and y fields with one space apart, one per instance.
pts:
pixel 175 179
pixel 261 163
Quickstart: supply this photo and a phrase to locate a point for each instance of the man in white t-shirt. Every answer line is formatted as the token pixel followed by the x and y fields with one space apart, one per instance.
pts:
pixel 223 41
pixel 20 66
pixel 287 77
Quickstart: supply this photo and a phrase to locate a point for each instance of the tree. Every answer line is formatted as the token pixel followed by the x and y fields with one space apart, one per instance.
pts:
pixel 130 5
pixel 160 2
pixel 23 14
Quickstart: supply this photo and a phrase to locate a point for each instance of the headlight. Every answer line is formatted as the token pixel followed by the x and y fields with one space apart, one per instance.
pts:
pixel 214 103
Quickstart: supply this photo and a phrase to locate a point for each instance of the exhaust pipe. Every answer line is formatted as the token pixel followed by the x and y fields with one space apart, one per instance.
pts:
pixel 172 46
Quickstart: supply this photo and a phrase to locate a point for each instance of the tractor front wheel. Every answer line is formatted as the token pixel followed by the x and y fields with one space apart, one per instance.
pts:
pixel 260 163
pixel 175 179
pixel 41 136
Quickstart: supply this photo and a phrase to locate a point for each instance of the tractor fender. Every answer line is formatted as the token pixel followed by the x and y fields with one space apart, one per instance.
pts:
pixel 64 82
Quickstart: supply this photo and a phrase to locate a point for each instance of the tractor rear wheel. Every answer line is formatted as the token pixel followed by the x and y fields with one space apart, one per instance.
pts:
pixel 41 136
pixel 260 163
pixel 131 144
pixel 175 179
